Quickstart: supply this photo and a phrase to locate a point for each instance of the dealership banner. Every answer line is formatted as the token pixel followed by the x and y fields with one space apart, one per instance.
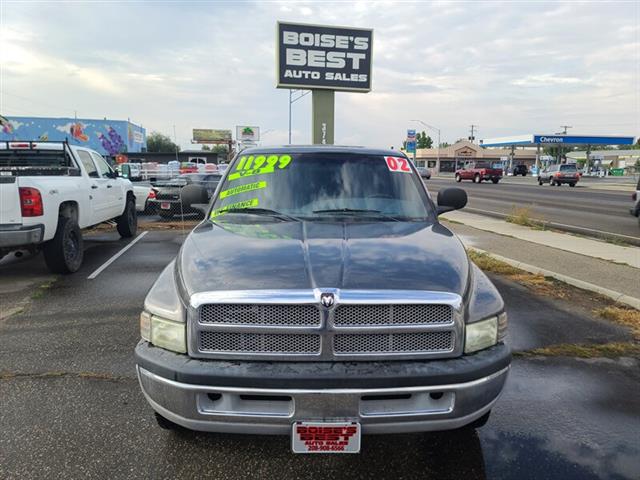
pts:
pixel 208 135
pixel 317 56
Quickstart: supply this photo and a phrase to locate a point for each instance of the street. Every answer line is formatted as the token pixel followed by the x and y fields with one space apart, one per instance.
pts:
pixel 72 407
pixel 602 210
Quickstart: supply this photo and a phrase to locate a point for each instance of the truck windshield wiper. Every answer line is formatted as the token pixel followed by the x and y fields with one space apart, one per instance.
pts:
pixel 356 211
pixel 263 211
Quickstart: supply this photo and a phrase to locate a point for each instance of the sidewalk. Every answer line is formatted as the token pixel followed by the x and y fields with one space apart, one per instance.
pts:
pixel 585 269
pixel 562 241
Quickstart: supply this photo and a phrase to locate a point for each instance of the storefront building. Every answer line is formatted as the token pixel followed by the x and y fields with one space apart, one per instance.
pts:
pixel 449 159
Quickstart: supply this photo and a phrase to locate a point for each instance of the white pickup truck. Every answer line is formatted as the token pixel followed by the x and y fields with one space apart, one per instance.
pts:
pixel 49 191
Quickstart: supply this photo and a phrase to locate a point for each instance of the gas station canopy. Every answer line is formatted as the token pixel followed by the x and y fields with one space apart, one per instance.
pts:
pixel 534 139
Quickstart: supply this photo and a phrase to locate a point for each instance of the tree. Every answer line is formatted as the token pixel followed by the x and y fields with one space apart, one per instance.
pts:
pixel 423 141
pixel 206 148
pixel 444 145
pixel 159 143
pixel 220 149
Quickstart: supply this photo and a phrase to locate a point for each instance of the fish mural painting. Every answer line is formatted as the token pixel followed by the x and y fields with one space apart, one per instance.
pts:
pixel 109 137
pixel 7 128
pixel 76 130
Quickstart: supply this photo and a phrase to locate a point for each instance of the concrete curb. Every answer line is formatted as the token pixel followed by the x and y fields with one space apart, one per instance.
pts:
pixel 615 296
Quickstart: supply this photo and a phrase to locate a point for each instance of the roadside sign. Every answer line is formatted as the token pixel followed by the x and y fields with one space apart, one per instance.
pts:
pixel 323 57
pixel 246 133
pixel 411 146
pixel 208 135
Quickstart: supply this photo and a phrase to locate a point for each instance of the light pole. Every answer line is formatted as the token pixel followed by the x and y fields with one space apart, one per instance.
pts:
pixel 437 130
pixel 291 101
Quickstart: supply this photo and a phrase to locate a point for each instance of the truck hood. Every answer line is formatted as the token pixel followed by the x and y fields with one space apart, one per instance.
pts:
pixel 305 255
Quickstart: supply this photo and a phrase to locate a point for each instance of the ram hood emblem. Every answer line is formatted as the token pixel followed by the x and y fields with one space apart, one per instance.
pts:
pixel 327 300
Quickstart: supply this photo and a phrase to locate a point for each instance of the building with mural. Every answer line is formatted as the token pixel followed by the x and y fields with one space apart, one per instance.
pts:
pixel 109 137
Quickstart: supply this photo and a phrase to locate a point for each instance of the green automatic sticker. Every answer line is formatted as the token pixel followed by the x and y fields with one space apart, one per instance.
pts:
pixel 249 187
pixel 259 165
pixel 245 204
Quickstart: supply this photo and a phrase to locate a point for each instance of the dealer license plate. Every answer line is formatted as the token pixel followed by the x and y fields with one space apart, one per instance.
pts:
pixel 321 437
pixel 165 206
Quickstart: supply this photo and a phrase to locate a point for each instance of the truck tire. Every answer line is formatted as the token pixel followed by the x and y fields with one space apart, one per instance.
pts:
pixel 128 221
pixel 477 178
pixel 495 180
pixel 458 178
pixel 572 184
pixel 64 252
pixel 165 423
pixel 479 422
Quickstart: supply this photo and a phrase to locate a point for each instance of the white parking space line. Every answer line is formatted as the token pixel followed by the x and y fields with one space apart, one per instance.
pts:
pixel 115 257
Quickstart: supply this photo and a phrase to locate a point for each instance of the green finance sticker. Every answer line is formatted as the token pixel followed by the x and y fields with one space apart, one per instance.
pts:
pixel 251 165
pixel 249 187
pixel 244 204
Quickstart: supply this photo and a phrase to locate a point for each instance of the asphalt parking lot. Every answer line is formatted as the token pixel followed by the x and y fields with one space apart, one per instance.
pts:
pixel 71 406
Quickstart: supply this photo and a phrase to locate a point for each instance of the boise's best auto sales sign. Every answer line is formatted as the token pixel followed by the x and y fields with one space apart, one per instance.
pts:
pixel 316 56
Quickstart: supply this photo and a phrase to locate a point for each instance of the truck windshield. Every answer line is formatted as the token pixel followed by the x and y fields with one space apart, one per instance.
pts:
pixel 320 185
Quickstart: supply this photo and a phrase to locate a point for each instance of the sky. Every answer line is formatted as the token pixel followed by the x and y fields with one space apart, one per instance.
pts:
pixel 507 67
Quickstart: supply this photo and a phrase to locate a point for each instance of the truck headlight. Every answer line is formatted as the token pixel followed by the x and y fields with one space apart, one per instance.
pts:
pixel 163 333
pixel 162 322
pixel 485 334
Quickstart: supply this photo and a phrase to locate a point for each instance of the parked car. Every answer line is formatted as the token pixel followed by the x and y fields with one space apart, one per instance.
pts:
pixel 635 196
pixel 478 172
pixel 559 174
pixel 178 196
pixel 49 191
pixel 520 170
pixel 424 172
pixel 143 192
pixel 323 299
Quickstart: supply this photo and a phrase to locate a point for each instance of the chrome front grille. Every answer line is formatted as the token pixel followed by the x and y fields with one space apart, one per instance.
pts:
pixel 362 315
pixel 252 314
pixel 383 343
pixel 294 325
pixel 271 343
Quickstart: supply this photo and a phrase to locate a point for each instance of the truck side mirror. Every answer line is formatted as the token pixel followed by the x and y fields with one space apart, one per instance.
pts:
pixel 451 199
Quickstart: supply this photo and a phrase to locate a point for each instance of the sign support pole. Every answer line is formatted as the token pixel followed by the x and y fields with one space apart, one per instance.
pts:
pixel 323 116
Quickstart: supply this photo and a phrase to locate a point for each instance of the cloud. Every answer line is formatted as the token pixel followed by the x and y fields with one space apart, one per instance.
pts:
pixel 547 79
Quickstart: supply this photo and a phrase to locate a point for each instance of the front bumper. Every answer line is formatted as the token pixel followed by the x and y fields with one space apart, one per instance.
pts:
pixel 266 397
pixel 20 235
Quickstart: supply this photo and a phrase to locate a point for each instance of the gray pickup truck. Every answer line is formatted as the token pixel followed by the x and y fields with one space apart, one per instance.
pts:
pixel 321 298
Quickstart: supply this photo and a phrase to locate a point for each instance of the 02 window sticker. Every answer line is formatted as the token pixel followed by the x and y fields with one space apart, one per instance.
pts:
pixel 397 164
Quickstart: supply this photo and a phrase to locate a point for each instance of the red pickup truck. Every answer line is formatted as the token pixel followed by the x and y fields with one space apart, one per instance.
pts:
pixel 478 172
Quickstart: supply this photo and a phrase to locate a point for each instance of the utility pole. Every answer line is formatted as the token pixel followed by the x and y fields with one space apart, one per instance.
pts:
pixel 564 132
pixel 437 130
pixel 473 129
